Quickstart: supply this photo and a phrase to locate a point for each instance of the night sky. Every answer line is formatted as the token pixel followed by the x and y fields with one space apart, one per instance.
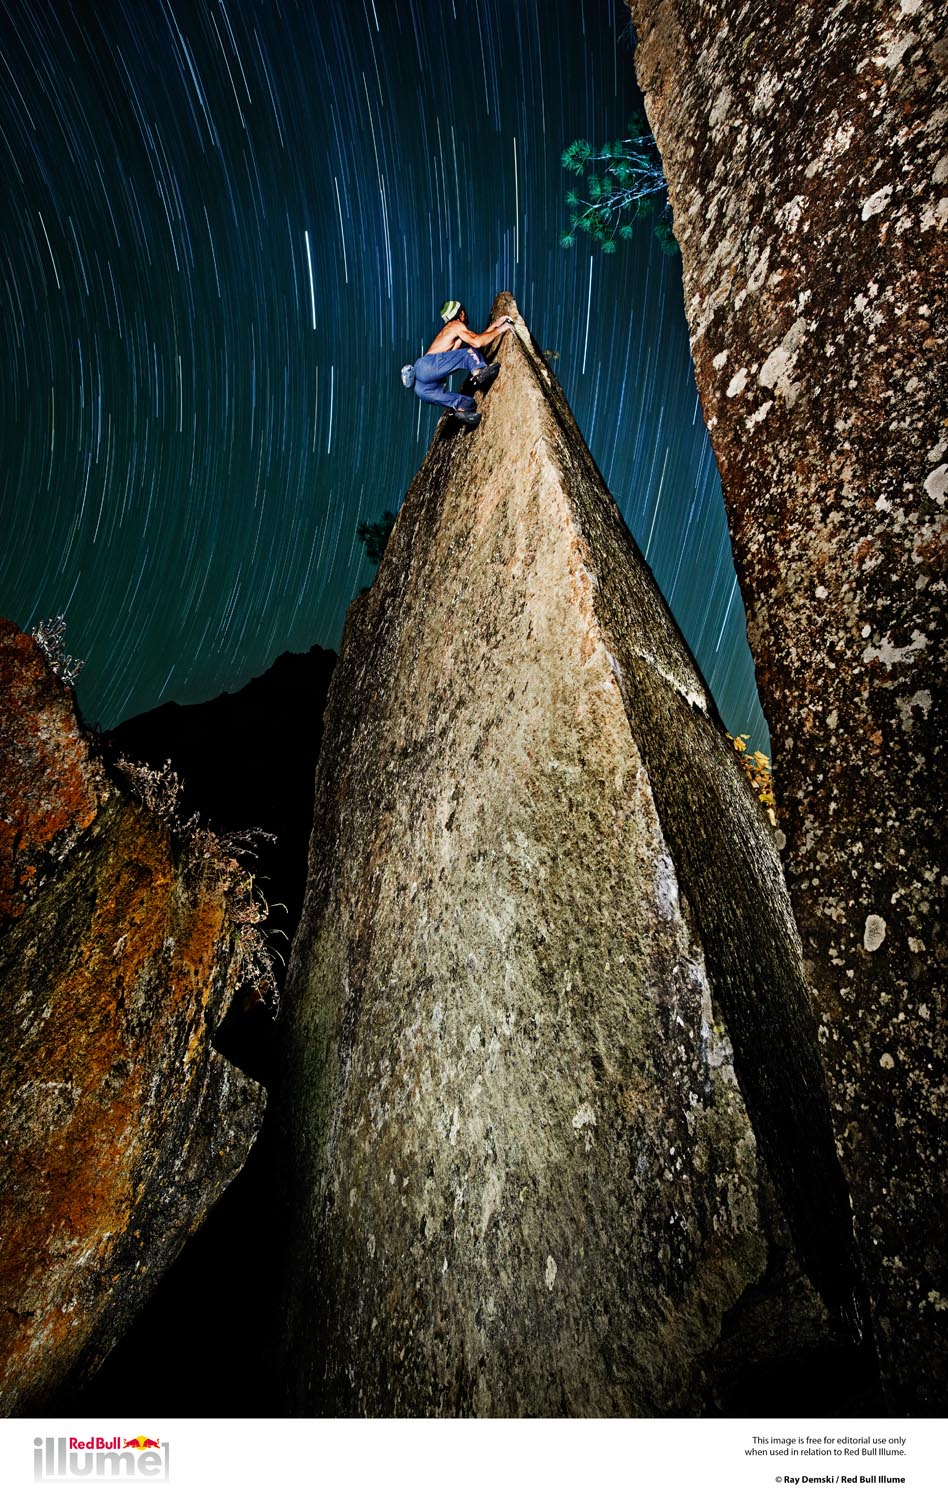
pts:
pixel 227 223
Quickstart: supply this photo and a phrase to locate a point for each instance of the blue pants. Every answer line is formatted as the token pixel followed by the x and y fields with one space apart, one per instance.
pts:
pixel 431 377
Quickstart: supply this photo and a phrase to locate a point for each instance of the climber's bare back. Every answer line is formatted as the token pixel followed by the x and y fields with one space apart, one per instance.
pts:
pixel 456 333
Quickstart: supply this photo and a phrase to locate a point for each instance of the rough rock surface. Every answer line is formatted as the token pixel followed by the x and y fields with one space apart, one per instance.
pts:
pixel 805 149
pixel 527 1179
pixel 120 1124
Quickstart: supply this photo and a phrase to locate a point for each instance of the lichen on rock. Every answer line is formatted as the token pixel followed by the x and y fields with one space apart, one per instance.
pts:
pixel 810 213
pixel 121 1124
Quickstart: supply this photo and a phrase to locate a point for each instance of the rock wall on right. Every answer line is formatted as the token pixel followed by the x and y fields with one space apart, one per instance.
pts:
pixel 807 161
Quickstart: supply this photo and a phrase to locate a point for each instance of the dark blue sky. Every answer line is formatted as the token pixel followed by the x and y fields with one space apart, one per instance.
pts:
pixel 228 223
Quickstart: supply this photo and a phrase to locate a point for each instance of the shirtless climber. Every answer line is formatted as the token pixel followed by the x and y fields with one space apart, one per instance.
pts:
pixel 454 349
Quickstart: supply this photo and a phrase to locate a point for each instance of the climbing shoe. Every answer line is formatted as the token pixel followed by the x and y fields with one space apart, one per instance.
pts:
pixel 467 418
pixel 485 378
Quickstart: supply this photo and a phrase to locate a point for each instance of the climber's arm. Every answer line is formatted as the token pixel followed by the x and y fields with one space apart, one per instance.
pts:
pixel 478 340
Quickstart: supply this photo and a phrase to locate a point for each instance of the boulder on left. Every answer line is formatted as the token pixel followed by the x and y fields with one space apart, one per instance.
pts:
pixel 121 1125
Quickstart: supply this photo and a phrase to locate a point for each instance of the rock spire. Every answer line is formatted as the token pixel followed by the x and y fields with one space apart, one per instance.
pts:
pixel 545 922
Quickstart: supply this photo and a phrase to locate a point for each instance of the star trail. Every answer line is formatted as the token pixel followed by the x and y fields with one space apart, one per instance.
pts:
pixel 227 224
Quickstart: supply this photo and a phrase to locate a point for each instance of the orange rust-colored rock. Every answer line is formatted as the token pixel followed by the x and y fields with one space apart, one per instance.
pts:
pixel 121 1124
pixel 52 788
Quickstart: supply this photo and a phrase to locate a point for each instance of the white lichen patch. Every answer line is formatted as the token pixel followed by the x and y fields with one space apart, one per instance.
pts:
pixel 887 1060
pixel 789 216
pixel 738 382
pixel 940 173
pixel 874 934
pixel 766 92
pixel 937 482
pixel 891 655
pixel 758 415
pixel 720 360
pixel 935 215
pixel 896 50
pixel 777 368
pixel 876 202
pixel 585 1115
pixel 842 139
pixel 907 706
pixel 758 272
pixel 839 142
pixel 549 1276
pixel 871 313
pixel 720 110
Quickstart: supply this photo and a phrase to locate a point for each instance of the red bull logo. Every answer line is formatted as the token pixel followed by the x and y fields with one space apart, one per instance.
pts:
pixel 113 1457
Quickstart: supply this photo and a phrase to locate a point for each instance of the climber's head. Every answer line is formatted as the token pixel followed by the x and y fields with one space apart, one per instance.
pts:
pixel 452 309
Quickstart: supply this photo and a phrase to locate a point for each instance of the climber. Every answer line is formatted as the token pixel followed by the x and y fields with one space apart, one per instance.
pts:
pixel 454 349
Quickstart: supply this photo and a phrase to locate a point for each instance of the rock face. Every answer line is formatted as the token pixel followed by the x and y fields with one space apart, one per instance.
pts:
pixel 805 152
pixel 539 885
pixel 121 1125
